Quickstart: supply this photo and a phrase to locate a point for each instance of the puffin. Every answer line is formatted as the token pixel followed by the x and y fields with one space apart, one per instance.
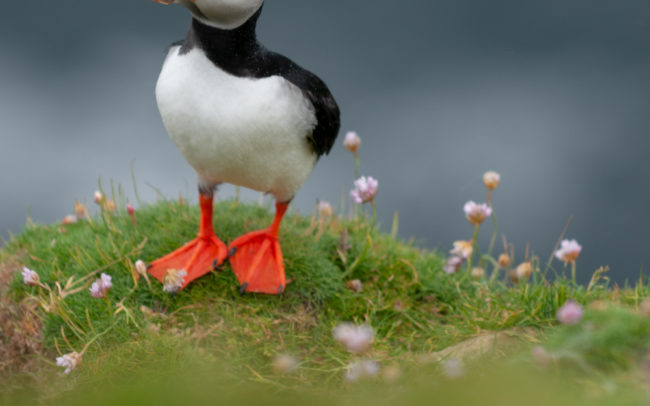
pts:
pixel 240 114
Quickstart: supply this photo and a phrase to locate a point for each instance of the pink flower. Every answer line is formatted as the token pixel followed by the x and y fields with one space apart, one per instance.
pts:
pixel 285 364
pixel 477 213
pixel 362 369
pixel 570 313
pixel 453 368
pixel 69 361
pixel 174 280
pixel 69 219
pixel 99 289
pixel 80 210
pixel 453 265
pixel 463 248
pixel 352 141
pixel 569 251
pixel 30 277
pixel 355 285
pixel 357 339
pixel 365 189
pixel 324 209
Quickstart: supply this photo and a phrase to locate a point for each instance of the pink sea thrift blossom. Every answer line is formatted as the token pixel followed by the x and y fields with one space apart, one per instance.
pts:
pixel 463 248
pixel 570 313
pixel 355 285
pixel 69 361
pixel 453 264
pixel 30 277
pixel 477 213
pixel 541 356
pixel 285 364
pixel 69 219
pixel 569 251
pixel 80 210
pixel 173 280
pixel 453 368
pixel 357 370
pixel 99 289
pixel 365 189
pixel 352 142
pixel 324 209
pixel 357 339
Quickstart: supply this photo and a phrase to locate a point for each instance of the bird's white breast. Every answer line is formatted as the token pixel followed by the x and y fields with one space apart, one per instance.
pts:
pixel 244 131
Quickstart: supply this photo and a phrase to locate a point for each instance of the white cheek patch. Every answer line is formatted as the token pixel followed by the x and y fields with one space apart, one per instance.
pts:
pixel 248 132
pixel 228 14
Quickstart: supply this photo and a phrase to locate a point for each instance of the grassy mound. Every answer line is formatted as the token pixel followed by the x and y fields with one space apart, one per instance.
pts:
pixel 208 336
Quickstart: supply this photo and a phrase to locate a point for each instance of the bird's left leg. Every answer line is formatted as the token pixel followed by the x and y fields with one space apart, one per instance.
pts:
pixel 256 258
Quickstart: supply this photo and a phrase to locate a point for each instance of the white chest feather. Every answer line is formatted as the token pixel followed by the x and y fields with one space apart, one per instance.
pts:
pixel 248 132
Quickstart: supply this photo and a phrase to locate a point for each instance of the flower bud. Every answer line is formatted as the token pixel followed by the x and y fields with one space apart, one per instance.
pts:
pixel 131 211
pixel 69 219
pixel 98 197
pixel 324 209
pixel 109 205
pixel 491 180
pixel 524 270
pixel 140 267
pixel 354 285
pixel 352 142
pixel 504 260
pixel 478 273
pixel 80 210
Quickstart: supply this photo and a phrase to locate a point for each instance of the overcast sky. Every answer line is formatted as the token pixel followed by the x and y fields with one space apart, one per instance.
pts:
pixel 554 95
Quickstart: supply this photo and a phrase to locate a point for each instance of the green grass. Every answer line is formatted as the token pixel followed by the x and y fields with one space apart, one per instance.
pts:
pixel 208 337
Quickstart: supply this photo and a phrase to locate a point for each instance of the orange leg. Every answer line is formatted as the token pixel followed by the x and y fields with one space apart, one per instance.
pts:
pixel 257 258
pixel 198 256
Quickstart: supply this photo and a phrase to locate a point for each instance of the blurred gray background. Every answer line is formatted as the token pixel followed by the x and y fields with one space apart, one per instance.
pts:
pixel 554 95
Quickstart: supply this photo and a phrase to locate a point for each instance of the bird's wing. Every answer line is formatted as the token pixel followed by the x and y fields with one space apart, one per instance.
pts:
pixel 328 120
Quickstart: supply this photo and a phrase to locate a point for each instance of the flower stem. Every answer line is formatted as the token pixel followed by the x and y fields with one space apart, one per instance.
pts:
pixel 495 230
pixel 475 248
pixel 374 213
pixel 360 258
pixel 109 307
pixel 357 166
pixel 573 272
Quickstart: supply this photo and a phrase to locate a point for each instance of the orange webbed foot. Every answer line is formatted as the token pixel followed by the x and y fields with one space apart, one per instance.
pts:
pixel 197 257
pixel 257 261
pixel 256 258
